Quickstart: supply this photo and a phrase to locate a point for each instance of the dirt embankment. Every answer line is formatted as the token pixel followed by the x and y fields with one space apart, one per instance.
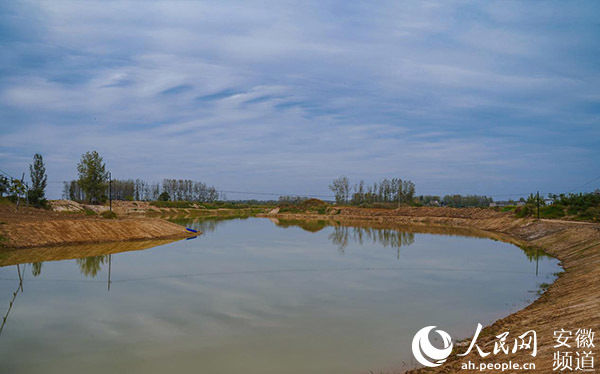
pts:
pixel 29 227
pixel 571 302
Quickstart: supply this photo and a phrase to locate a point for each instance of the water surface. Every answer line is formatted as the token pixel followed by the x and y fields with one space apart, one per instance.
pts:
pixel 251 296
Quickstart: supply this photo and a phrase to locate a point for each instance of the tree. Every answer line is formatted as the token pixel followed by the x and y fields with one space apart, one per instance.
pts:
pixel 164 196
pixel 92 177
pixel 36 268
pixel 341 189
pixel 37 172
pixel 4 185
pixel 17 189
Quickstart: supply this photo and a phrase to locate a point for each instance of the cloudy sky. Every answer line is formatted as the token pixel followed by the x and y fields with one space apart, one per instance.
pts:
pixel 488 98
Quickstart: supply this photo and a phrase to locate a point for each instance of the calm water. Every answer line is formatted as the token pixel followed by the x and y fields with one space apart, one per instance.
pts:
pixel 250 296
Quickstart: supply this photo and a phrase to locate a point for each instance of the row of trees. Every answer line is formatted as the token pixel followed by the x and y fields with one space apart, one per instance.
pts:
pixel 393 190
pixel 169 189
pixel 188 190
pixel 93 186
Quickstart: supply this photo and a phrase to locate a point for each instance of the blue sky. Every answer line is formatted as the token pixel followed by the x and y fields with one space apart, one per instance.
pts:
pixel 481 97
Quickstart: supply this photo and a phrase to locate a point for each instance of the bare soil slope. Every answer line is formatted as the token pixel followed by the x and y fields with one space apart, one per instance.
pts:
pixel 29 227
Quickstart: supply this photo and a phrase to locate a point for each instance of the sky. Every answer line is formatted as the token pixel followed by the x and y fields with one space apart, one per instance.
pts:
pixel 495 98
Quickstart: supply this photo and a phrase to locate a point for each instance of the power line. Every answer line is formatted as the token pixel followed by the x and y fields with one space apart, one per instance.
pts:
pixel 585 184
pixel 275 194
pixel 5 173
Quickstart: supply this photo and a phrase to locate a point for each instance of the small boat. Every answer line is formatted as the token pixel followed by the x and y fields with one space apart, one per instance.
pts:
pixel 191 230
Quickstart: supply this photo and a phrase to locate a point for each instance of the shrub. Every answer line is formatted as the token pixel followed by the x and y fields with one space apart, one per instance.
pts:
pixel 523 211
pixel 89 212
pixel 108 214
pixel 591 214
pixel 552 211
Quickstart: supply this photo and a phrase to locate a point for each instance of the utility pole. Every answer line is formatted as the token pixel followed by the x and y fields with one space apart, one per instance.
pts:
pixel 538 205
pixel 110 191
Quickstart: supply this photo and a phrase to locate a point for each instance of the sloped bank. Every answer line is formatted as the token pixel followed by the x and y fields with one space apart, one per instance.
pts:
pixel 54 232
pixel 28 227
pixel 570 303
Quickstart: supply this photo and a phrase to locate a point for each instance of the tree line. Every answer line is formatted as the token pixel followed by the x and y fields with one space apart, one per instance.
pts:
pixel 93 186
pixel 393 190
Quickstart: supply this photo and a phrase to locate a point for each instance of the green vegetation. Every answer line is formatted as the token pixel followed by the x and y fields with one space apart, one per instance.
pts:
pixel 460 201
pixel 212 205
pixel 90 266
pixel 4 185
pixel 551 211
pixel 302 205
pixel 92 177
pixel 37 192
pixel 311 226
pixel 581 206
pixel 108 214
pixel 388 191
pixel 89 212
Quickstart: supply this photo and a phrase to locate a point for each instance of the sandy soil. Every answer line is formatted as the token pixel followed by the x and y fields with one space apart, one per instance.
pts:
pixel 29 227
pixel 570 303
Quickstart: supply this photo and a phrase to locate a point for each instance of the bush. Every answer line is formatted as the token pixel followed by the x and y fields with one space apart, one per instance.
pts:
pixel 523 211
pixel 552 211
pixel 591 214
pixel 108 214
pixel 89 212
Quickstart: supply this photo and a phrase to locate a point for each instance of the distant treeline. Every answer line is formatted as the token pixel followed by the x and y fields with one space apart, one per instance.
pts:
pixel 393 190
pixel 129 189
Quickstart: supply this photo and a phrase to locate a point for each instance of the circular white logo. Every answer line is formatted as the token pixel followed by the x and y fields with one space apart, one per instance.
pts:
pixel 425 352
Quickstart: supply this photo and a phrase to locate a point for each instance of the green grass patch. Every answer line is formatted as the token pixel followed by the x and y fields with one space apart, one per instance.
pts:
pixel 89 212
pixel 108 214
pixel 552 211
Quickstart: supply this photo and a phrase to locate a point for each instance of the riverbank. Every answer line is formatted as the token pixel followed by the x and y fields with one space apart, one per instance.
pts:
pixel 29 227
pixel 571 302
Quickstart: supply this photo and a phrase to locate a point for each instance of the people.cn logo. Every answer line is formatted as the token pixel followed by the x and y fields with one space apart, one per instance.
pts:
pixel 425 352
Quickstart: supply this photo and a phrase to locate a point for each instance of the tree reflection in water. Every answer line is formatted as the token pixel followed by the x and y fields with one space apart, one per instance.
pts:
pixel 90 266
pixel 342 235
pixel 36 268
